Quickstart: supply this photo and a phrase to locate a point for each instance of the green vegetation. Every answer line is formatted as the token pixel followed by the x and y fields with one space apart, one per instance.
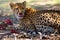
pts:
pixel 5 3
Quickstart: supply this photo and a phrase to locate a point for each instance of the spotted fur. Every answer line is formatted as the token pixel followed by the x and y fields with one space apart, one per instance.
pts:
pixel 41 18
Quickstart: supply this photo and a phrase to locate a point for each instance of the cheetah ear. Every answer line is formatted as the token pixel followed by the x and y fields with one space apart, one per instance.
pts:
pixel 24 2
pixel 11 5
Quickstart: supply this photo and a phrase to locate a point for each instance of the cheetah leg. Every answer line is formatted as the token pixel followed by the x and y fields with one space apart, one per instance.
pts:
pixel 55 32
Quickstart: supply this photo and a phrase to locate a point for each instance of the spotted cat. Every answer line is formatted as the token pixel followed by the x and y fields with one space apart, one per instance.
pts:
pixel 31 19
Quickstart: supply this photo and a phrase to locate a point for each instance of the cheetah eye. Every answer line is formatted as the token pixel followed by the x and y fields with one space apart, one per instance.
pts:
pixel 16 8
pixel 22 7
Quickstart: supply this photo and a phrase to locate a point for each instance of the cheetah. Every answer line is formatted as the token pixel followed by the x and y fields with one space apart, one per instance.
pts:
pixel 31 19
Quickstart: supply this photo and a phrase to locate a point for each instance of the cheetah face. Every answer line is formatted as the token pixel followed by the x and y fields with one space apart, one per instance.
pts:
pixel 18 9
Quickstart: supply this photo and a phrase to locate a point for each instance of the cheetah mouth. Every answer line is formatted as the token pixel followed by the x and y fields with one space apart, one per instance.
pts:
pixel 20 14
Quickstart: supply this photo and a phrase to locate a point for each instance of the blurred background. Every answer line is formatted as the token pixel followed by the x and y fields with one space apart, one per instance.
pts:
pixel 7 13
pixel 37 4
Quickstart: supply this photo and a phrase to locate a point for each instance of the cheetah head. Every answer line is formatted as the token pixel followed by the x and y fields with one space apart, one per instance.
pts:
pixel 18 9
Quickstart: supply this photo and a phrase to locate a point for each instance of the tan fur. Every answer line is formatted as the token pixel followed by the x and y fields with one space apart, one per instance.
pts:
pixel 49 18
